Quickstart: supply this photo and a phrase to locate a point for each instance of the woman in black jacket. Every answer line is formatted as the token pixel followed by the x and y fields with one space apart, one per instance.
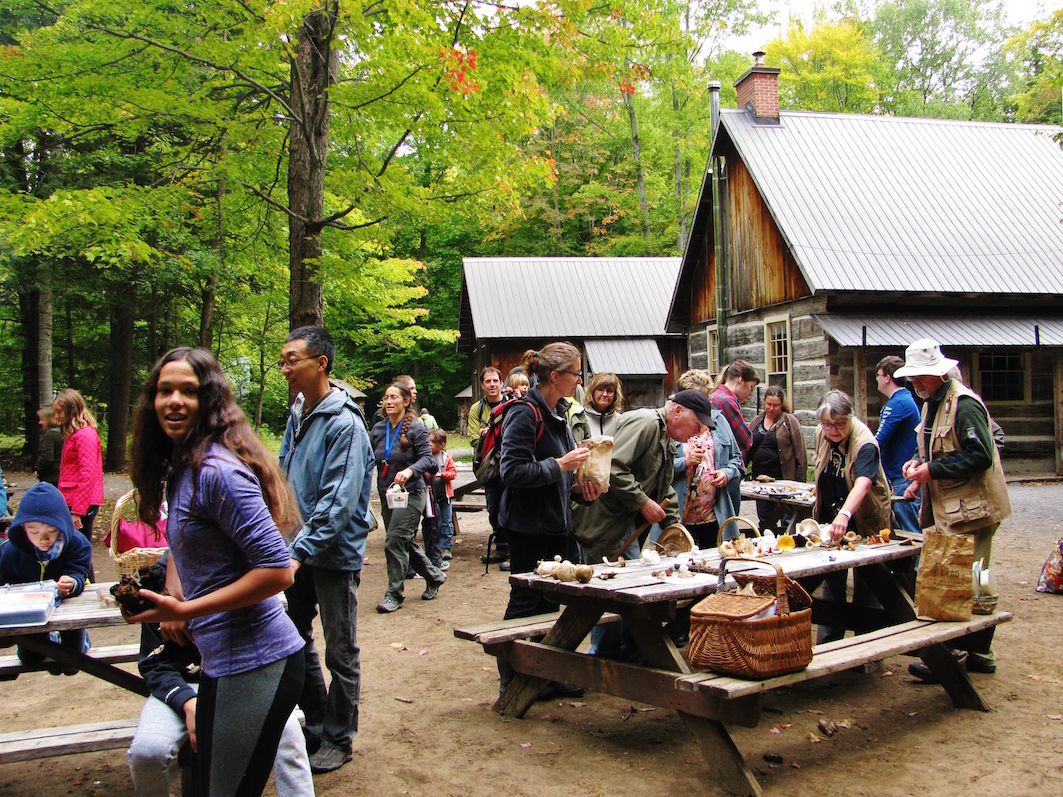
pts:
pixel 403 457
pixel 51 451
pixel 538 462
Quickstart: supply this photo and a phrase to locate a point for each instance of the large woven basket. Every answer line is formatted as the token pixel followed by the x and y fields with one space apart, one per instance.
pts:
pixel 724 640
pixel 129 562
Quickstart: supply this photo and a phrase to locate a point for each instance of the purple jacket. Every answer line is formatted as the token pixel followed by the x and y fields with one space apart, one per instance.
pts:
pixel 214 541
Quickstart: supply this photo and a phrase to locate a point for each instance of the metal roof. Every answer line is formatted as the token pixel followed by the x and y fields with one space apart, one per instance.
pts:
pixel 886 203
pixel 466 393
pixel 627 357
pixel 561 297
pixel 900 331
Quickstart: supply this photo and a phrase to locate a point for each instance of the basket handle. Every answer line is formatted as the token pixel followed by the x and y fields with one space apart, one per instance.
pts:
pixel 736 519
pixel 783 603
pixel 116 518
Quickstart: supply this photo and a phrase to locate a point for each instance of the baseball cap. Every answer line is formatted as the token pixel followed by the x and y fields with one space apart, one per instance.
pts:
pixel 698 402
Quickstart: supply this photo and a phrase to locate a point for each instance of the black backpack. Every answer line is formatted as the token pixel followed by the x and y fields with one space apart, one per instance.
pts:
pixel 487 458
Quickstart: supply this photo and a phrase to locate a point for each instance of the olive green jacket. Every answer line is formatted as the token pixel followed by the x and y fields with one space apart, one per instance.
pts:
pixel 641 472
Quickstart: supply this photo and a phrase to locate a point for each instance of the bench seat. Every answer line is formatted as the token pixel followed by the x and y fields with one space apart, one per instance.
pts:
pixel 517 628
pixel 109 654
pixel 845 653
pixel 46 742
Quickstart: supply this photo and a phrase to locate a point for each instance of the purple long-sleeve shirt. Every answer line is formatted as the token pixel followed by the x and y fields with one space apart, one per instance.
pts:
pixel 214 540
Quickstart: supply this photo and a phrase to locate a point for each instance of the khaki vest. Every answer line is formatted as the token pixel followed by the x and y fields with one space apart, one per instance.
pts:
pixel 873 514
pixel 960 506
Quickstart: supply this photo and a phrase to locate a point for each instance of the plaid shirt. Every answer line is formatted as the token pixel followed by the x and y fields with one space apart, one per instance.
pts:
pixel 724 400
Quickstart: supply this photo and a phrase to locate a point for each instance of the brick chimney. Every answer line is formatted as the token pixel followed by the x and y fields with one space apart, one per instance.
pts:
pixel 758 91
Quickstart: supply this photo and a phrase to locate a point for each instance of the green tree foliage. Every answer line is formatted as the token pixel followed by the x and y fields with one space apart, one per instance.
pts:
pixel 1039 55
pixel 832 67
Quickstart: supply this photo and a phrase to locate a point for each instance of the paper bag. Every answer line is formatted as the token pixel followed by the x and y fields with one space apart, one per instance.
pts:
pixel 943 585
pixel 596 466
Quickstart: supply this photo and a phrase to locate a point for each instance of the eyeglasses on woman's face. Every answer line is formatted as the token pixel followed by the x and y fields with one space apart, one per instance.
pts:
pixel 837 426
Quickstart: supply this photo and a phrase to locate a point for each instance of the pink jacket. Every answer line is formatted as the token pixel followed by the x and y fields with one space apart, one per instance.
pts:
pixel 448 474
pixel 81 471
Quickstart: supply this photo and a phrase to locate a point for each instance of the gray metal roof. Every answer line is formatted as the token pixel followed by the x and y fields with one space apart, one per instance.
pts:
pixel 899 331
pixel 577 297
pixel 885 203
pixel 466 393
pixel 626 357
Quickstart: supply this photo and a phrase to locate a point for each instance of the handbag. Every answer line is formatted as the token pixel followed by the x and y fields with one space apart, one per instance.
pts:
pixel 1051 579
pixel 943 587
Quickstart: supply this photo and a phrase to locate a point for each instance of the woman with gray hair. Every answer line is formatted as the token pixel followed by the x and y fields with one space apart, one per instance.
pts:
pixel 852 492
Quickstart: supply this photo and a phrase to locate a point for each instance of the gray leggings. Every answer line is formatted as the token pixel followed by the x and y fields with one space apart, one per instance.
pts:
pixel 240 718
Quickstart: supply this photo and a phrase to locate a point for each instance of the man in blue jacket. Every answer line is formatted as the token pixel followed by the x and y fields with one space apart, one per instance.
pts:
pixel 328 460
pixel 896 438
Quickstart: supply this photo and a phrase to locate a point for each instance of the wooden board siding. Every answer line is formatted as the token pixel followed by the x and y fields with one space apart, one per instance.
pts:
pixel 703 285
pixel 763 272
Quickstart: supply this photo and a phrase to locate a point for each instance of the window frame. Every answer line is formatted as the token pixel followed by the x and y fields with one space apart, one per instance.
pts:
pixel 774 321
pixel 1027 380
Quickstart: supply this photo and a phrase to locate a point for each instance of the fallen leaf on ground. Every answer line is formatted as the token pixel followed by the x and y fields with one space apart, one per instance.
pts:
pixel 403 699
pixel 1034 677
pixel 785 725
pixel 398 645
pixel 846 723
pixel 912 713
pixel 577 705
pixel 814 739
pixel 827 727
pixel 887 673
pixel 773 758
pixel 813 711
pixel 795 765
pixel 1055 716
pixel 525 745
pixel 775 730
pixel 422 653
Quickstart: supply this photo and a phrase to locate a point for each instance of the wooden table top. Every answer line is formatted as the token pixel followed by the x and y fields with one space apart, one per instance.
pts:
pixel 781 491
pixel 635 584
pixel 87 610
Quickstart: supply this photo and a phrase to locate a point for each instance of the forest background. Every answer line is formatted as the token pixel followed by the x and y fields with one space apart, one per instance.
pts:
pixel 174 173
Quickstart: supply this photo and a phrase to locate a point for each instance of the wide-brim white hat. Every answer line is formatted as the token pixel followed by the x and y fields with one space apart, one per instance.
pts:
pixel 924 358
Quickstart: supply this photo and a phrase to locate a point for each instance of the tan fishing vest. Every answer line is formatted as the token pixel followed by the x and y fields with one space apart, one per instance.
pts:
pixel 873 514
pixel 960 506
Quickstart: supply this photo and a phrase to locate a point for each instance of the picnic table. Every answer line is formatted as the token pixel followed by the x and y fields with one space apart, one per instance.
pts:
pixel 87 610
pixel 795 499
pixel 708 702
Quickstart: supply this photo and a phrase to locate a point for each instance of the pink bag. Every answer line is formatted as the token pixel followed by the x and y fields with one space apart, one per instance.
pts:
pixel 1051 579
pixel 138 534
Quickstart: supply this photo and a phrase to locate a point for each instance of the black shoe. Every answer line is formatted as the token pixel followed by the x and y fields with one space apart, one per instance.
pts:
pixel 922 672
pixel 977 665
pixel 554 690
pixel 504 567
pixel 494 558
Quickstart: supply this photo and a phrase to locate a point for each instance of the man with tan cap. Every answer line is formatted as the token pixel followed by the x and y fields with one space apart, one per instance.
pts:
pixel 958 471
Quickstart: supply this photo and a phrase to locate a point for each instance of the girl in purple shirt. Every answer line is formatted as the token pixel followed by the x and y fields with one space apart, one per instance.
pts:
pixel 227 498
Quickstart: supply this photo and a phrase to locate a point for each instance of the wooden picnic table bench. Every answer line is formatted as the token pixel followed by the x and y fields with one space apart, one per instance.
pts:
pixel 47 742
pixel 707 702
pixel 108 654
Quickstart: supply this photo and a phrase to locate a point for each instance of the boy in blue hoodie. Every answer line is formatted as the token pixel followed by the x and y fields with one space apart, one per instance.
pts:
pixel 42 544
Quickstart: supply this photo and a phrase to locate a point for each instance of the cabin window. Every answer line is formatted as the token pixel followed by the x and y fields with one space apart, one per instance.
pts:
pixel 713 347
pixel 1002 376
pixel 777 353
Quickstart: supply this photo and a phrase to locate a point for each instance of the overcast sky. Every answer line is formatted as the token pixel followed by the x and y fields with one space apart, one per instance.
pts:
pixel 1019 12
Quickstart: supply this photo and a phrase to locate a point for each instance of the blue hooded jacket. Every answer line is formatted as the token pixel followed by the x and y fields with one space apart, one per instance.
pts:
pixel 21 562
pixel 329 463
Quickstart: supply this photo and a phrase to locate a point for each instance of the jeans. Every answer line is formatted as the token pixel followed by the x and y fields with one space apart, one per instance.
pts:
pixel 905 513
pixel 611 640
pixel 161 732
pixel 332 715
pixel 401 549
pixel 446 523
pixel 77 640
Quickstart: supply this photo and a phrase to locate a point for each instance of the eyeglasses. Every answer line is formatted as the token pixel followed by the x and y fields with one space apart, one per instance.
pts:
pixel 282 364
pixel 576 374
pixel 837 427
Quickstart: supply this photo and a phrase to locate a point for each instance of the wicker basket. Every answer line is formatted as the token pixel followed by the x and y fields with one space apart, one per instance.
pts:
pixel 723 641
pixel 736 519
pixel 129 562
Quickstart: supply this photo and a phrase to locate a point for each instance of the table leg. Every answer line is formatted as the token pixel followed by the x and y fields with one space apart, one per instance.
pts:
pixel 890 592
pixel 571 628
pixel 726 762
pixel 69 659
pixel 953 677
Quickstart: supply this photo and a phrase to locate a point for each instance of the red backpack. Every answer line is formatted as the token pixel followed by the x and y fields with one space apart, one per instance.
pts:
pixel 487 459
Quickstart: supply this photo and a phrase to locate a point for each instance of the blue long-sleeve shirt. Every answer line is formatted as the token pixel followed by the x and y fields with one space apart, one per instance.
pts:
pixel 896 433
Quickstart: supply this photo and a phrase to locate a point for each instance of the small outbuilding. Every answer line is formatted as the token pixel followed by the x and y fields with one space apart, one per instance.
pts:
pixel 613 308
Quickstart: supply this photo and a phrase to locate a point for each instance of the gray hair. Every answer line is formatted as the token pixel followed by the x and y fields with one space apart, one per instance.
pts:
pixel 836 404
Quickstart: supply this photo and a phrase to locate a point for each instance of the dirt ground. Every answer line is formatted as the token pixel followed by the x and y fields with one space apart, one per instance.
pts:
pixel 427 727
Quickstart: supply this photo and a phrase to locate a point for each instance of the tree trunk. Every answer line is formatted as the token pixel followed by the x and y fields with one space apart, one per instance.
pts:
pixel 681 235
pixel 44 342
pixel 29 302
pixel 123 313
pixel 636 150
pixel 307 151
pixel 71 374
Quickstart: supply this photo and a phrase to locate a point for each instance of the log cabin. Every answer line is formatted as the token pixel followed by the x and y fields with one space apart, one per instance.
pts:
pixel 822 242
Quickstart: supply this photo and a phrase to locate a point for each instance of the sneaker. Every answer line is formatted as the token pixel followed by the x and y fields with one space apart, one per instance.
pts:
pixel 328 759
pixel 447 555
pixel 389 605
pixel 444 565
pixel 504 567
pixel 494 558
pixel 555 690
pixel 432 589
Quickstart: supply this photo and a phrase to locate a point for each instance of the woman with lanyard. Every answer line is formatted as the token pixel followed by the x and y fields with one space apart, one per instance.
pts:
pixel 403 456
